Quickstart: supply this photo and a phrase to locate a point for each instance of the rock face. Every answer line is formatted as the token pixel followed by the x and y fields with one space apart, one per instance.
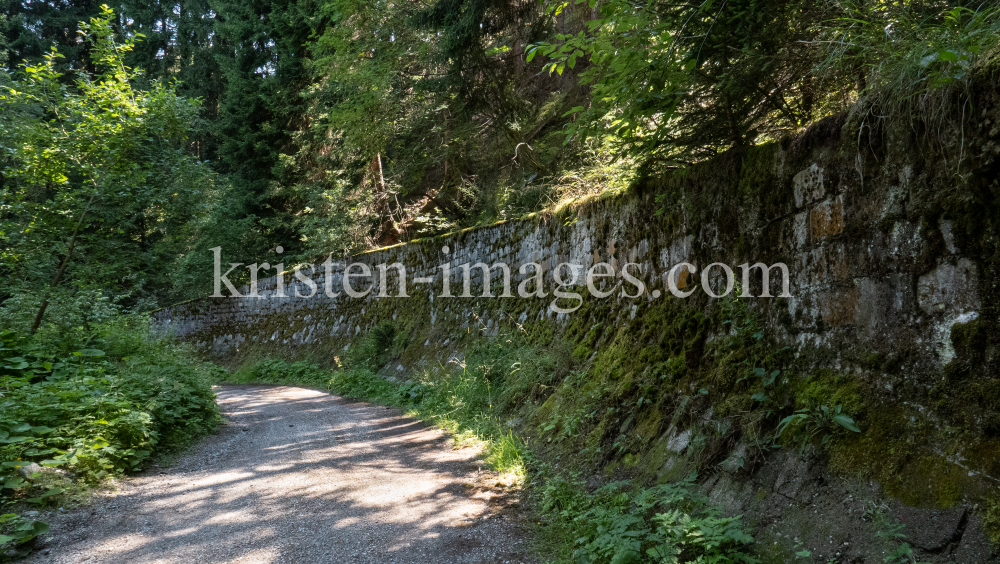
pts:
pixel 891 311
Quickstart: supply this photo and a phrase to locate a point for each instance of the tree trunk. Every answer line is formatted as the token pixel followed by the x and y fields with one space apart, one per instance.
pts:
pixel 62 269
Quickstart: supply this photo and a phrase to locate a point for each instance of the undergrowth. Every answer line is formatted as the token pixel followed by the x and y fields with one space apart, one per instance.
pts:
pixel 70 420
pixel 622 524
pixel 915 63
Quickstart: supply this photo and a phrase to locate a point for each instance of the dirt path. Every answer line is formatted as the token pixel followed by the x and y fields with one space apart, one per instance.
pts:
pixel 298 475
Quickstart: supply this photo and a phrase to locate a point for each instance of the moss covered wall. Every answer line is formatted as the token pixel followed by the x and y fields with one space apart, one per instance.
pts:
pixel 873 276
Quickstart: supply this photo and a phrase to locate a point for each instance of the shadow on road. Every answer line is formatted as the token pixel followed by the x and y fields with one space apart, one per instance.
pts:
pixel 297 475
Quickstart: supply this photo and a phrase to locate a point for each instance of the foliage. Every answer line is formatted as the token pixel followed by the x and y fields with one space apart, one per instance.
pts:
pixel 808 423
pixel 16 530
pixel 264 50
pixel 912 63
pixel 95 412
pixel 815 398
pixel 909 58
pixel 278 371
pixel 31 28
pixel 680 82
pixel 890 533
pixel 902 552
pixel 991 515
pixel 96 174
pixel 378 346
pixel 73 317
pixel 364 107
pixel 668 523
pixel 342 125
pixel 481 56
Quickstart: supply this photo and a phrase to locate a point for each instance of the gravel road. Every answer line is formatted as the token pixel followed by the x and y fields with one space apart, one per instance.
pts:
pixel 298 475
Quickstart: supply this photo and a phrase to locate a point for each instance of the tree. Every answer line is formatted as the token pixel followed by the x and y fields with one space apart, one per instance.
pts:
pixel 679 82
pixel 31 28
pixel 97 176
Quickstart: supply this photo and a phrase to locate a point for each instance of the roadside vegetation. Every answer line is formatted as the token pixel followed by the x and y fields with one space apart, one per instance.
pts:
pixel 87 404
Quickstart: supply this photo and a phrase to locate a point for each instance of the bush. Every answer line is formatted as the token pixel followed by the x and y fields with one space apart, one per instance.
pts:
pixel 618 524
pixel 73 317
pixel 89 414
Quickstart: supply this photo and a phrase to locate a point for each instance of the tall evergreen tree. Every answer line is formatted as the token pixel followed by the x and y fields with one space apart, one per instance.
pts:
pixel 32 28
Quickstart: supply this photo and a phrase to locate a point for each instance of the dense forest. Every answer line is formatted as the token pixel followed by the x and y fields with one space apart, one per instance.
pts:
pixel 139 135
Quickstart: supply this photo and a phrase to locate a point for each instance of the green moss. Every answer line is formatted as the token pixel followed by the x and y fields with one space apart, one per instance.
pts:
pixel 826 387
pixel 761 495
pixel 873 360
pixel 991 515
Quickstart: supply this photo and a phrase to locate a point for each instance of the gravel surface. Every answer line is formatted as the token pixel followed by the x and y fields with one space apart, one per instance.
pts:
pixel 298 475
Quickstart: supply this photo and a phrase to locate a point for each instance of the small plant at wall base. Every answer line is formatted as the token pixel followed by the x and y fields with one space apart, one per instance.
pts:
pixel 621 524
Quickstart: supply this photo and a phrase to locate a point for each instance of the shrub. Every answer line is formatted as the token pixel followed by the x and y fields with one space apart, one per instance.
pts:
pixel 90 414
pixel 619 524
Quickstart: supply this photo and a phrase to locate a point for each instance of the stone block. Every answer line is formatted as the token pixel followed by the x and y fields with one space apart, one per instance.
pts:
pixel 952 288
pixel 826 219
pixel 808 185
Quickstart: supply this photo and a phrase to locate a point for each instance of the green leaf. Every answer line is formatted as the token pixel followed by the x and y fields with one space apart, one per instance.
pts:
pixel 39 528
pixel 11 440
pixel 627 556
pixel 846 422
pixel 774 374
pixel 15 464
pixel 14 483
pixel 760 397
pixel 48 463
pixel 91 352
